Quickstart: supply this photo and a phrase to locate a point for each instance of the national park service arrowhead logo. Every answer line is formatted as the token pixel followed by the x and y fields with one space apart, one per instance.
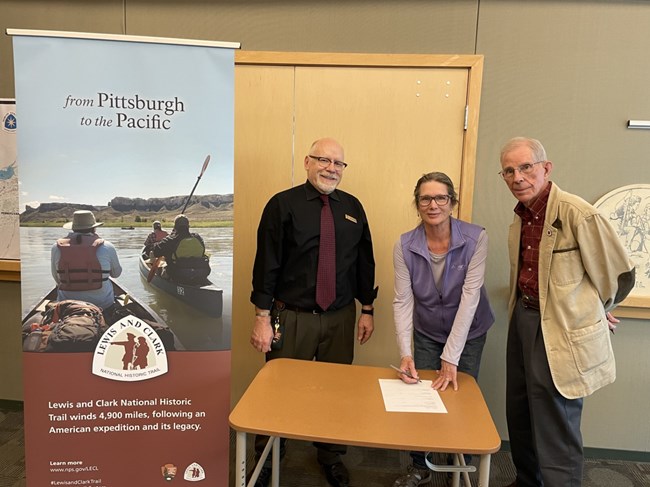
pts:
pixel 130 350
pixel 169 471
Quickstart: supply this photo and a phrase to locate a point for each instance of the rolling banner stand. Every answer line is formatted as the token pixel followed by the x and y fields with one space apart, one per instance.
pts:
pixel 133 390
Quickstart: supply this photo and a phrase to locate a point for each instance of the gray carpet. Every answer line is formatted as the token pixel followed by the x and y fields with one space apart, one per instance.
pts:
pixel 368 467
pixel 379 468
pixel 12 448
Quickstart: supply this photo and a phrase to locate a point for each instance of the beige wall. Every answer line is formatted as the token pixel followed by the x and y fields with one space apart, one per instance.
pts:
pixel 570 73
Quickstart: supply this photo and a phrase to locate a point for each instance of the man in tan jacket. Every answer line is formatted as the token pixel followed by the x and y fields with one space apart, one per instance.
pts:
pixel 567 270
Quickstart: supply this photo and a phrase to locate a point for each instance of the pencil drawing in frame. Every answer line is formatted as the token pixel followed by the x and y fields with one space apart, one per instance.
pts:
pixel 628 210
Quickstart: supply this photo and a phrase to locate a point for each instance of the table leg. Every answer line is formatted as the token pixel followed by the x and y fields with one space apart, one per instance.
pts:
pixel 260 462
pixel 465 473
pixel 240 459
pixel 484 471
pixel 275 459
pixel 457 469
pixel 455 476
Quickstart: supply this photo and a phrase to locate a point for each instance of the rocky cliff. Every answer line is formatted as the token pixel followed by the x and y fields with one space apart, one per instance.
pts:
pixel 213 207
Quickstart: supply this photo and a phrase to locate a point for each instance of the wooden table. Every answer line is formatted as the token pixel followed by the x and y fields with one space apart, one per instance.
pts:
pixel 334 403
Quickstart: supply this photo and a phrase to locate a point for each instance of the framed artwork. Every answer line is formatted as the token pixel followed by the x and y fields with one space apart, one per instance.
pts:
pixel 628 210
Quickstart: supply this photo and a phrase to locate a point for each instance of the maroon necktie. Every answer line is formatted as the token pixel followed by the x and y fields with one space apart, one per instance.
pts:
pixel 326 275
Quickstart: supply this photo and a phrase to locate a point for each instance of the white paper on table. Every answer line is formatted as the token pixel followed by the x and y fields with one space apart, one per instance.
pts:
pixel 411 398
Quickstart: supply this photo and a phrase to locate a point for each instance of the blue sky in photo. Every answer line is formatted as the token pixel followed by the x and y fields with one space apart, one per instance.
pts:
pixel 100 119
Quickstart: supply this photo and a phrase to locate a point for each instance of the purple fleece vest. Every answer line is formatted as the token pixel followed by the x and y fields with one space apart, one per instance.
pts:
pixel 435 309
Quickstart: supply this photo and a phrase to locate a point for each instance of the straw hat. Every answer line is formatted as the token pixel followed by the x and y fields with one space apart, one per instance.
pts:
pixel 82 220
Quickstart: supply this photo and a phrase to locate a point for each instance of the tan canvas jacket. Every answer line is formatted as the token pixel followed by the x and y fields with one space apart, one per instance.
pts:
pixel 584 271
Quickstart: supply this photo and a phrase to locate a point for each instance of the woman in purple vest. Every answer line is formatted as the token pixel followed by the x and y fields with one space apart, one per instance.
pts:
pixel 440 299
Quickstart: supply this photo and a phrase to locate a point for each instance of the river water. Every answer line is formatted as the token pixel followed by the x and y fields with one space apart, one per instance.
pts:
pixel 195 330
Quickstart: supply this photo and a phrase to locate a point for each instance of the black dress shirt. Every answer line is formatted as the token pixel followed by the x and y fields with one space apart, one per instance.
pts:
pixel 287 250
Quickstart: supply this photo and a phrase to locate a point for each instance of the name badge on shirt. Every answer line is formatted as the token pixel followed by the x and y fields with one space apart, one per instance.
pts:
pixel 351 218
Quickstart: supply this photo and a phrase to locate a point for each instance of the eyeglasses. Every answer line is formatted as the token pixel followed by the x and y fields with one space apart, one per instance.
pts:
pixel 323 162
pixel 440 199
pixel 526 168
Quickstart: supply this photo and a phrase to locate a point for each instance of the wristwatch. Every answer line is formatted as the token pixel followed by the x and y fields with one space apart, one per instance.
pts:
pixel 370 312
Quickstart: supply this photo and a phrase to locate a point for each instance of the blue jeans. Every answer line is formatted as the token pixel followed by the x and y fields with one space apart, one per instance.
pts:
pixel 426 355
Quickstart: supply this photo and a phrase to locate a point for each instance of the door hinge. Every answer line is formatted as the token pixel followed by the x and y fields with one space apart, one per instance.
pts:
pixel 466 116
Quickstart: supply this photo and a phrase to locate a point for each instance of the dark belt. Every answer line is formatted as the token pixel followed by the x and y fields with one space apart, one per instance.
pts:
pixel 280 305
pixel 529 302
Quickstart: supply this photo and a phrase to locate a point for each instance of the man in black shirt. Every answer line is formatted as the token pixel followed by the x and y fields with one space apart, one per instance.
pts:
pixel 288 321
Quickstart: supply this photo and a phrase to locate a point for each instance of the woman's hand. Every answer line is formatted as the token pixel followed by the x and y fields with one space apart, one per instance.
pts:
pixel 446 375
pixel 407 365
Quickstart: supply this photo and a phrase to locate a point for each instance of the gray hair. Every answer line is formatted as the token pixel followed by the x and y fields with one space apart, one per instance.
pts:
pixel 536 147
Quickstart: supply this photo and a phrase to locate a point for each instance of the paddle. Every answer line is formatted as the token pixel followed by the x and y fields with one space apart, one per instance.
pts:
pixel 156 263
pixel 205 166
pixel 154 268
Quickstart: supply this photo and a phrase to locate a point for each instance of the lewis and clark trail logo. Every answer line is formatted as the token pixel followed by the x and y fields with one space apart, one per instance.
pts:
pixel 130 350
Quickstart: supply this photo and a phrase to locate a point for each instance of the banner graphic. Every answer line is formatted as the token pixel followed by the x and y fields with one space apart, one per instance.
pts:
pixel 9 234
pixel 126 198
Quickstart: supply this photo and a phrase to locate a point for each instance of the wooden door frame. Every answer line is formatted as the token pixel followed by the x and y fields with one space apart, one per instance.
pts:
pixel 246 361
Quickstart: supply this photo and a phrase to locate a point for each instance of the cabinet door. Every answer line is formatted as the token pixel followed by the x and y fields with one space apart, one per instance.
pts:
pixel 395 124
pixel 263 166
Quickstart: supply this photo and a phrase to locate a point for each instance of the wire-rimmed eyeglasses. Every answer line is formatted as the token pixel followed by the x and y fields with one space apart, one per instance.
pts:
pixel 324 162
pixel 526 168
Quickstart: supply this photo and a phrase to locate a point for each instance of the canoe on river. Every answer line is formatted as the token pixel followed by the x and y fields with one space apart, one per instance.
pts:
pixel 126 304
pixel 205 297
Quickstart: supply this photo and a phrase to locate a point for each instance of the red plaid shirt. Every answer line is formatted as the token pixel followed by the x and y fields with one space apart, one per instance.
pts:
pixel 532 225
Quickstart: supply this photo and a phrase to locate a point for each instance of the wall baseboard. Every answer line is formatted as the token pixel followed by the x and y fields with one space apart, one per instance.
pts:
pixel 604 453
pixel 11 405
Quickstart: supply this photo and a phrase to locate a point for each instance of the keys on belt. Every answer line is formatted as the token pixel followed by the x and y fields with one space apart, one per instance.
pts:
pixel 281 305
pixel 529 302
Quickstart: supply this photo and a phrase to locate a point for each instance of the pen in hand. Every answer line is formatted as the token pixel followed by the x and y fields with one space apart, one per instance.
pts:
pixel 404 372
